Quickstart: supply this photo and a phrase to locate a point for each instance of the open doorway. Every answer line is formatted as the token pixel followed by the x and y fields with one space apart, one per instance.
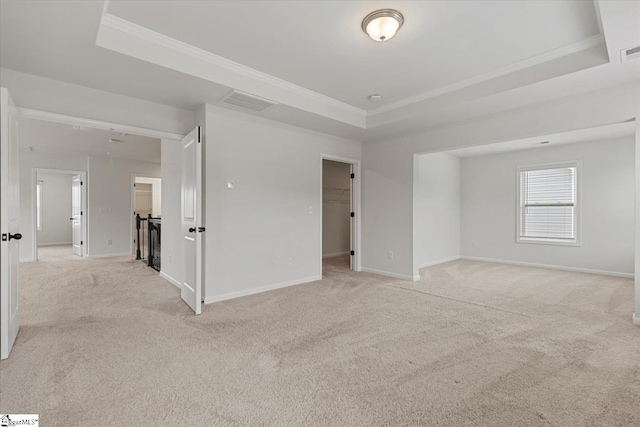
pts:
pixel 59 214
pixel 146 200
pixel 339 214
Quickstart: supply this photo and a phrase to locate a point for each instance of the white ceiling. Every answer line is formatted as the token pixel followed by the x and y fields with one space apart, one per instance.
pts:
pixel 319 45
pixel 56 39
pixel 451 61
pixel 61 139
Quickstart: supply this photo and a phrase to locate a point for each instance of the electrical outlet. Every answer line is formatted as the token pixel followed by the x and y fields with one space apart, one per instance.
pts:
pixel 109 242
pixel 390 255
pixel 290 261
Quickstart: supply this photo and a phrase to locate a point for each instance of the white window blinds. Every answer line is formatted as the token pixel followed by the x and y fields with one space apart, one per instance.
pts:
pixel 548 203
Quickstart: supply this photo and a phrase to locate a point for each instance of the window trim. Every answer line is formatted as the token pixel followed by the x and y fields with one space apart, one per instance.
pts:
pixel 577 206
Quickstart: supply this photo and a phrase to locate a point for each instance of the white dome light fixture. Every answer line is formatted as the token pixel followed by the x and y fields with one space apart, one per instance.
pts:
pixel 382 24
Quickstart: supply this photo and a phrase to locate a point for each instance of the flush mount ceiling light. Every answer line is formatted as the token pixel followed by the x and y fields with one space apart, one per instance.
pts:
pixel 382 24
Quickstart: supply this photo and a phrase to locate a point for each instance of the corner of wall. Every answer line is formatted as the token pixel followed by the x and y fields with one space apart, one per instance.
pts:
pixel 637 231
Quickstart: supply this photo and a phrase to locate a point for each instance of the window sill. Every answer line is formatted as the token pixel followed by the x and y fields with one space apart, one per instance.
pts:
pixel 548 242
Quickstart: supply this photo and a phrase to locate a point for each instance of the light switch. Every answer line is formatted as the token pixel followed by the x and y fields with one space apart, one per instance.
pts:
pixel 230 185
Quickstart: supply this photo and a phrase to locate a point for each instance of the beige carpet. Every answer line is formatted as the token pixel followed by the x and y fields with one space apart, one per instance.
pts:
pixel 106 342
pixel 57 252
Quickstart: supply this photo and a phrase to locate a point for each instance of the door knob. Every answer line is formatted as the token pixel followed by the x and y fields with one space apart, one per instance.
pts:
pixel 16 236
pixel 192 230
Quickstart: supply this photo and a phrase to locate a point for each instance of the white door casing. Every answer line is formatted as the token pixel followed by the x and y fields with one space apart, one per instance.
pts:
pixel 352 220
pixel 355 261
pixel 76 214
pixel 9 224
pixel 191 219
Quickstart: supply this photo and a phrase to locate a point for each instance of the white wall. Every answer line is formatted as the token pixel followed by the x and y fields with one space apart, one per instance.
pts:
pixel 156 193
pixel 55 209
pixel 273 214
pixel 336 207
pixel 110 204
pixel 607 180
pixel 636 315
pixel 389 165
pixel 387 220
pixel 437 209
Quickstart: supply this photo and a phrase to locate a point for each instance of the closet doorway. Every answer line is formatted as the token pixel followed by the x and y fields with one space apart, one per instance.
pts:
pixel 340 215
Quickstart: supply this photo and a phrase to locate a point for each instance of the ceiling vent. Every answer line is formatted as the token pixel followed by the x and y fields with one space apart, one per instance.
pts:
pixel 250 102
pixel 628 54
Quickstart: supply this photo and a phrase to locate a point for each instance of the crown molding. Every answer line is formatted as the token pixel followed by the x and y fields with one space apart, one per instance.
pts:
pixel 172 44
pixel 95 124
pixel 521 65
pixel 597 133
pixel 303 98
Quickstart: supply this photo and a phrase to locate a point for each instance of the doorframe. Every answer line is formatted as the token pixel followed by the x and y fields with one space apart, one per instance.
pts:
pixel 132 204
pixel 84 222
pixel 92 124
pixel 355 204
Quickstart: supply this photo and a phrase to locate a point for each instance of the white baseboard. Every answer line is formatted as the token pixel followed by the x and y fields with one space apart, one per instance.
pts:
pixel 55 244
pixel 26 259
pixel 440 261
pixel 252 291
pixel 170 279
pixel 108 255
pixel 552 267
pixel 636 319
pixel 335 255
pixel 390 274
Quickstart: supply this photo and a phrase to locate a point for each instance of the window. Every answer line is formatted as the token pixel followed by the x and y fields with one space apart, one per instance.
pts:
pixel 548 204
pixel 39 205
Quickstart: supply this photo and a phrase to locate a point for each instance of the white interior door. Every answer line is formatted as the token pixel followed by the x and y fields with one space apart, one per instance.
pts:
pixel 9 214
pixel 352 228
pixel 192 219
pixel 76 214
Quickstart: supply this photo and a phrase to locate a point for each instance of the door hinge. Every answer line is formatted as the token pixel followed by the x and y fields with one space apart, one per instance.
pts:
pixel 201 229
pixel 81 242
pixel 353 214
pixel 81 213
pixel 353 175
pixel 81 183
pixel 353 252
pixel 199 137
